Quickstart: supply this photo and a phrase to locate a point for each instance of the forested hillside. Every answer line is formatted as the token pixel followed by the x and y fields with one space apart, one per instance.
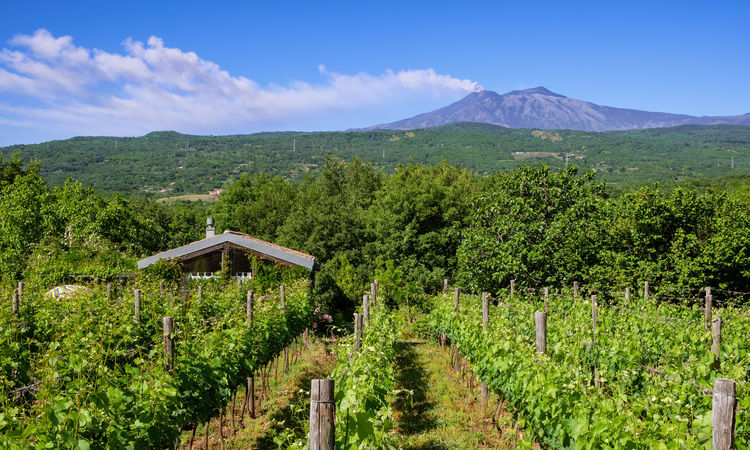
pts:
pixel 173 163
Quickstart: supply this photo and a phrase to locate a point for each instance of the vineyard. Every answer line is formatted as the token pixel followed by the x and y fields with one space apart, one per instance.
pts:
pixel 135 369
pixel 142 366
pixel 638 373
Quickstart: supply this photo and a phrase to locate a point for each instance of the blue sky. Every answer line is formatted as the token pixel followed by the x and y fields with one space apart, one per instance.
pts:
pixel 99 68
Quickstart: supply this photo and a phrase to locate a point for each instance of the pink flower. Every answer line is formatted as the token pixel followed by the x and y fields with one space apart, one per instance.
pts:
pixel 317 310
pixel 315 324
pixel 327 318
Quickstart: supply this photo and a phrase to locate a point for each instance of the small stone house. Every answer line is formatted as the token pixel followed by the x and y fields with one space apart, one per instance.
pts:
pixel 202 259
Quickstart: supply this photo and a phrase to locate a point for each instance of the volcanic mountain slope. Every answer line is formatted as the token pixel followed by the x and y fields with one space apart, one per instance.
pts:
pixel 540 108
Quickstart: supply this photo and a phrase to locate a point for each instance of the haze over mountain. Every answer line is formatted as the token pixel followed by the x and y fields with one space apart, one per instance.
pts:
pixel 540 108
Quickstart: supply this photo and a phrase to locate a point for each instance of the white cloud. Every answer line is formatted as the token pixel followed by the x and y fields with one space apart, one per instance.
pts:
pixel 47 81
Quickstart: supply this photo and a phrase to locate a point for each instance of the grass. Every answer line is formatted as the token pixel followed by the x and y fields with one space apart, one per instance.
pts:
pixel 189 197
pixel 439 408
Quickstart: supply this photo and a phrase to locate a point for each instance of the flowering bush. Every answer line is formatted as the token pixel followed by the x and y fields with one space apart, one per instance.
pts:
pixel 323 319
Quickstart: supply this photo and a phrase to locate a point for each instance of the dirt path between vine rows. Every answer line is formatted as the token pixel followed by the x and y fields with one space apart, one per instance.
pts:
pixel 441 409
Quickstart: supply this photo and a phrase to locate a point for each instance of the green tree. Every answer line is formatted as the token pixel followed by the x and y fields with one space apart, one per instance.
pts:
pixel 533 225
pixel 417 219
pixel 257 205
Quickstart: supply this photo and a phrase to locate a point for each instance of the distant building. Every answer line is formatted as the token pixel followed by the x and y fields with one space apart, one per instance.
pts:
pixel 202 259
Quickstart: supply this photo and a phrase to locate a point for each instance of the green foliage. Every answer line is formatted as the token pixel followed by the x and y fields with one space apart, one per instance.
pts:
pixel 545 228
pixel 534 225
pixel 54 261
pixel 101 379
pixel 267 277
pixel 554 395
pixel 168 271
pixel 364 386
pixel 176 163
pixel 256 205
pixel 417 218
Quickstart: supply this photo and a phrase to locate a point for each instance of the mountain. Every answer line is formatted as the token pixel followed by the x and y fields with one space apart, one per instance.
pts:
pixel 540 108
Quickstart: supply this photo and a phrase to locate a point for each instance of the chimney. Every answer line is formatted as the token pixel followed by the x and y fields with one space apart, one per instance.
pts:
pixel 210 230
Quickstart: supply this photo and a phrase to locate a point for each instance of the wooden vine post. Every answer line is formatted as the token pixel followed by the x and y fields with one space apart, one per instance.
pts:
pixel 722 415
pixel 366 308
pixel 322 415
pixel 512 288
pixel 200 291
pixel 137 305
pixel 358 326
pixel 445 292
pixel 19 289
pixel 169 341
pixel 716 344
pixel 627 296
pixel 645 289
pixel 109 291
pixel 282 293
pixel 708 307
pixel 546 299
pixel 16 305
pixel 373 292
pixel 485 324
pixel 250 393
pixel 456 360
pixel 575 289
pixel 540 324
pixel 594 317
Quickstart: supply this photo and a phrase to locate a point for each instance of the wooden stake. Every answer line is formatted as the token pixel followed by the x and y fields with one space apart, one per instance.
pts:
pixel 485 311
pixel 137 305
pixel 716 344
pixel 322 415
pixel 358 330
pixel 250 393
pixel 251 396
pixel 627 296
pixel 540 322
pixel 373 292
pixel 546 298
pixel 200 291
pixel 722 416
pixel 512 288
pixel 169 341
pixel 366 308
pixel 708 308
pixel 16 305
pixel 575 289
pixel 19 289
pixel 594 317
pixel 445 286
pixel 485 324
pixel 109 291
pixel 645 289
pixel 456 294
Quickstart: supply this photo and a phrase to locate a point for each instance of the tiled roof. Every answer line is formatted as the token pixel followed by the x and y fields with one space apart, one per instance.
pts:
pixel 241 240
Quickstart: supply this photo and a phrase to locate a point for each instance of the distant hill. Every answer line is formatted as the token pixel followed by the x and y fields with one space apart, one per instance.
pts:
pixel 543 109
pixel 173 163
